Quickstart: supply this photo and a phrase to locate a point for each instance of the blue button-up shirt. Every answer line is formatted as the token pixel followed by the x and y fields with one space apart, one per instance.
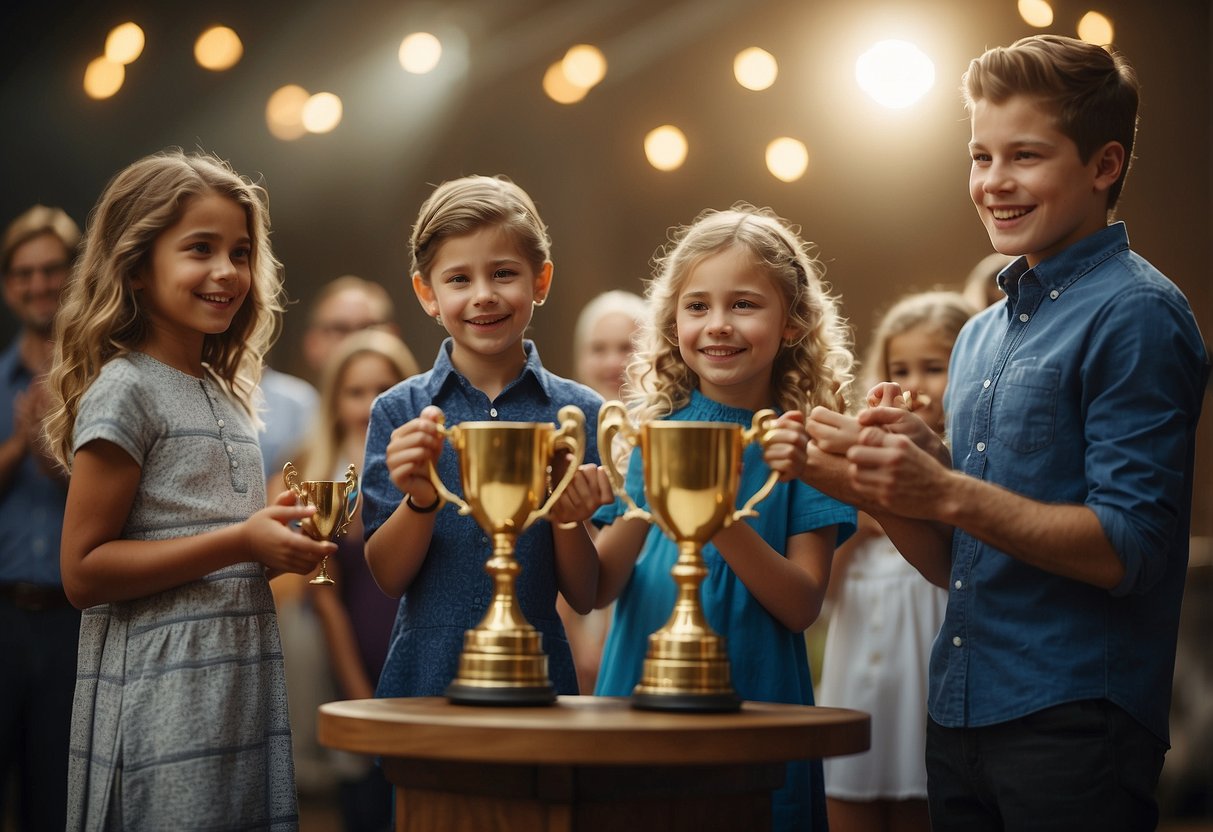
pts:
pixel 1083 387
pixel 451 591
pixel 31 505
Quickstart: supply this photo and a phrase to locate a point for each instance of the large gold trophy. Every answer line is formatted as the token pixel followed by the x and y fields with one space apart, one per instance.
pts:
pixel 336 502
pixel 691 476
pixel 504 468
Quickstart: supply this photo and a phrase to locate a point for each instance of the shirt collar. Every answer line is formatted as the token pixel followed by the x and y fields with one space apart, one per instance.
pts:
pixel 1063 269
pixel 444 371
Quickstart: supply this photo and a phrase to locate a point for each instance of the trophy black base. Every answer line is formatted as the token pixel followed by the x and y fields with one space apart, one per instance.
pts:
pixel 702 703
pixel 460 693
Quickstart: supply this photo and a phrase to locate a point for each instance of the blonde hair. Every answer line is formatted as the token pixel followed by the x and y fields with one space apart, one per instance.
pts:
pixel 102 318
pixel 319 459
pixel 462 206
pixel 812 369
pixel 1094 92
pixel 944 313
pixel 35 222
pixel 616 301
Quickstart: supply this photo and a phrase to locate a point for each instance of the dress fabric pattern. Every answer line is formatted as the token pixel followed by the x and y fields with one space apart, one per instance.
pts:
pixel 877 650
pixel 180 717
pixel 768 662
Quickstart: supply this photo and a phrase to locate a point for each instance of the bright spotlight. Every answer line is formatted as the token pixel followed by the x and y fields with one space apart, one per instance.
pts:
pixel 666 147
pixel 124 43
pixel 1036 13
pixel 103 78
pixel 284 112
pixel 787 159
pixel 322 112
pixel 755 69
pixel 559 88
pixel 218 48
pixel 584 65
pixel 1095 28
pixel 895 73
pixel 420 52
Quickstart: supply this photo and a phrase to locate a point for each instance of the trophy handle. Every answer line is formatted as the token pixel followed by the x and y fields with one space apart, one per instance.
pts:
pixel 613 421
pixel 353 496
pixel 290 476
pixel 444 493
pixel 570 435
pixel 758 431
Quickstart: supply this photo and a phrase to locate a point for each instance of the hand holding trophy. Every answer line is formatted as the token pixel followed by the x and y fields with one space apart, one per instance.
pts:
pixel 691 476
pixel 503 466
pixel 335 502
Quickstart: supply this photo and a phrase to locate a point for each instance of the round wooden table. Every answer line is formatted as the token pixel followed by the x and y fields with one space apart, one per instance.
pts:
pixel 587 763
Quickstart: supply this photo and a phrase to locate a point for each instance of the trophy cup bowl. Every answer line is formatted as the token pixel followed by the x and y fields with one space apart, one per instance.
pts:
pixel 336 502
pixel 504 469
pixel 691 476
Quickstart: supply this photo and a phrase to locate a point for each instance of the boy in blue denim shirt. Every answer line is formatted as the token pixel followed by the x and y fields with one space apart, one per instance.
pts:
pixel 1061 529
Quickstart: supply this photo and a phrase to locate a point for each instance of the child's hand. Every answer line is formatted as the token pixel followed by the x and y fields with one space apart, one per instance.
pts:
pixel 269 541
pixel 786 445
pixel 832 432
pixel 890 394
pixel 413 447
pixel 587 491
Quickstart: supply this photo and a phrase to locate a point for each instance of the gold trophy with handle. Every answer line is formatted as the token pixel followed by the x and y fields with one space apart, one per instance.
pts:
pixel 336 502
pixel 504 469
pixel 691 476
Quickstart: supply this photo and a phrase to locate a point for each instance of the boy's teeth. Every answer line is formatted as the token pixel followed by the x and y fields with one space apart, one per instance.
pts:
pixel 1008 213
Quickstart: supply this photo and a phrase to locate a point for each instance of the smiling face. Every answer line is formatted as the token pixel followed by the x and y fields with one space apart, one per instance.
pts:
pixel 197 279
pixel 37 271
pixel 918 360
pixel 603 357
pixel 364 377
pixel 1033 192
pixel 483 290
pixel 731 323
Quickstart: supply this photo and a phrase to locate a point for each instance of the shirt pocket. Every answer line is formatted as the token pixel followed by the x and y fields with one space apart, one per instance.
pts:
pixel 1026 413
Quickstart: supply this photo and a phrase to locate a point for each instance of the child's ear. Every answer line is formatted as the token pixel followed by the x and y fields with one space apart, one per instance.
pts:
pixel 425 295
pixel 543 283
pixel 1109 162
pixel 791 334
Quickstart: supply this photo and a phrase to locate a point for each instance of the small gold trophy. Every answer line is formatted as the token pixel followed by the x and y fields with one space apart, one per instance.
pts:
pixel 504 468
pixel 691 475
pixel 335 502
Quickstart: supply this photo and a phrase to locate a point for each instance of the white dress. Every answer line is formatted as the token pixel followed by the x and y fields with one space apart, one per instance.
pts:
pixel 876 654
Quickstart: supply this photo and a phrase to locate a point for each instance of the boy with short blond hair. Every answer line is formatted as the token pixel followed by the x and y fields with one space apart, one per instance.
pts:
pixel 1061 531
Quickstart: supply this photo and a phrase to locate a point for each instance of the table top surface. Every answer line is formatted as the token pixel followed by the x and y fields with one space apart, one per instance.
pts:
pixel 588 730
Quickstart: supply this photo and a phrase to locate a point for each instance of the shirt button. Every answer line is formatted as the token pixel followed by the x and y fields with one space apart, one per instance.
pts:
pixel 1054 295
pixel 981 446
pixel 958 584
pixel 493 412
pixel 1023 316
pixel 230 449
pixel 956 640
pixel 985 385
pixel 220 423
pixel 235 464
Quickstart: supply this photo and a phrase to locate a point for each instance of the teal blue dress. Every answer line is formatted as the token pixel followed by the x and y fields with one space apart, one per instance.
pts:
pixel 769 662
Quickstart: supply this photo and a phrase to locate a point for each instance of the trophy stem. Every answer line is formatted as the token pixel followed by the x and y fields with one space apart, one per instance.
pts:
pixel 687 666
pixel 503 662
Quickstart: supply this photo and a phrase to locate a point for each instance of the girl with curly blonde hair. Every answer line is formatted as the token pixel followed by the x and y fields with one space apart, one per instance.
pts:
pixel 167 540
pixel 738 320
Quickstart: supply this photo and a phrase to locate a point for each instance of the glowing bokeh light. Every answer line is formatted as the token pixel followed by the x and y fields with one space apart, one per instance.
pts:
pixel 322 113
pixel 895 73
pixel 103 78
pixel 124 43
pixel 755 69
pixel 420 52
pixel 584 65
pixel 666 147
pixel 1036 13
pixel 218 48
pixel 787 159
pixel 559 88
pixel 284 112
pixel 1095 28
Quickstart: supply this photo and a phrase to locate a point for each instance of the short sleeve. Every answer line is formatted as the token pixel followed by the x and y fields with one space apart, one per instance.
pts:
pixel 116 408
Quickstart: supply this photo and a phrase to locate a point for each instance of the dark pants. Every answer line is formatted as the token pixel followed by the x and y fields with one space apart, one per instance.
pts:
pixel 37 683
pixel 1083 765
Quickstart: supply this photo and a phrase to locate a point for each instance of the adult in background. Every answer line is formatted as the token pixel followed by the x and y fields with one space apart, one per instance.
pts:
pixel 39 629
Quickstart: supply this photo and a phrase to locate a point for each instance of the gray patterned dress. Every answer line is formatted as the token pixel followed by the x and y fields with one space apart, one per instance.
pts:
pixel 180 717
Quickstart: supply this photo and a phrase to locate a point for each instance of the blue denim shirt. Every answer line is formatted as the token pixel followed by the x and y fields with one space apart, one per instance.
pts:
pixel 1083 387
pixel 31 506
pixel 451 591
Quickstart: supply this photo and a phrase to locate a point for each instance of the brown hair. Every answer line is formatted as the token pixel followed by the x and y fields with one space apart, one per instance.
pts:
pixel 35 222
